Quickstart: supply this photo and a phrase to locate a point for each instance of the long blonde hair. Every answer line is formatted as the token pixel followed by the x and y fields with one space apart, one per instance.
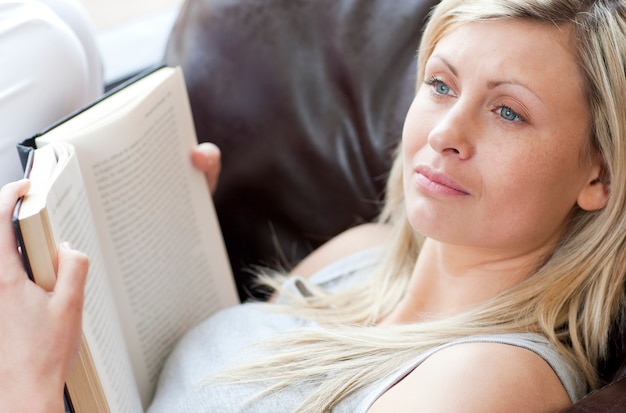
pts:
pixel 574 298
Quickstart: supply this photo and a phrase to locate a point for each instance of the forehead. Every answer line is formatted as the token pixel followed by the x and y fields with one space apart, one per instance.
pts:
pixel 524 51
pixel 514 38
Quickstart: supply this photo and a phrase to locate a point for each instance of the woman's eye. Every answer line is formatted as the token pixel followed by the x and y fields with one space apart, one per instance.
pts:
pixel 508 114
pixel 439 86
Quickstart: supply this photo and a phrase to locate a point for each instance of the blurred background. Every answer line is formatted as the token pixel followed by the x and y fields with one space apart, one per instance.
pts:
pixel 131 34
pixel 107 14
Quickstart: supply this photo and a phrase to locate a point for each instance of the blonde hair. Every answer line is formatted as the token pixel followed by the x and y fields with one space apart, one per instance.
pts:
pixel 573 299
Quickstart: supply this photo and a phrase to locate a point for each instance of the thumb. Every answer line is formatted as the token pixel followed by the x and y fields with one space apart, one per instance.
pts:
pixel 71 275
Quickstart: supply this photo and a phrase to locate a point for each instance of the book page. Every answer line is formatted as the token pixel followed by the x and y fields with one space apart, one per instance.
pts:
pixel 163 241
pixel 71 221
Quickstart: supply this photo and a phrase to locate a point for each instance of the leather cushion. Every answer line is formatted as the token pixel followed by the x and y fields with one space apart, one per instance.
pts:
pixel 306 99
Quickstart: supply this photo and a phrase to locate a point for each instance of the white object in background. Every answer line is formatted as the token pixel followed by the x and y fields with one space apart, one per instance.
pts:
pixel 47 71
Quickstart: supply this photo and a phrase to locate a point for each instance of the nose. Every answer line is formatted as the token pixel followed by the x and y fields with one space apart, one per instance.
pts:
pixel 452 132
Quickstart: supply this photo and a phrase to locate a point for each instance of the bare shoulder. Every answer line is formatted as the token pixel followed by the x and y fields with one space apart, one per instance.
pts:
pixel 348 242
pixel 478 377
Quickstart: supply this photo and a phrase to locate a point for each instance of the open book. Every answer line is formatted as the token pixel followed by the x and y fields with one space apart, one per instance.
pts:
pixel 116 180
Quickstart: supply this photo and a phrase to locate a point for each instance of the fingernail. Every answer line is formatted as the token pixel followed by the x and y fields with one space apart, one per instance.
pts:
pixel 67 246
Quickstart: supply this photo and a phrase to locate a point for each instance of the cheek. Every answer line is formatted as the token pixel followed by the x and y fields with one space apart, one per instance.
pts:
pixel 414 132
pixel 536 186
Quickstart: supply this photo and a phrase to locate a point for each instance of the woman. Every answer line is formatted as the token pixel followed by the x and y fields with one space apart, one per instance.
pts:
pixel 509 155
pixel 497 269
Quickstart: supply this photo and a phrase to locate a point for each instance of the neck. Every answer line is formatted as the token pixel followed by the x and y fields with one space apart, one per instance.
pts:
pixel 449 279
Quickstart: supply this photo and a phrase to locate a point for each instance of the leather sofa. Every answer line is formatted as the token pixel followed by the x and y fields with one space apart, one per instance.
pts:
pixel 306 100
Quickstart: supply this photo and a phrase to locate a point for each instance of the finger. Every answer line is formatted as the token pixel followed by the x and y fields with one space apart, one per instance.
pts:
pixel 71 277
pixel 207 158
pixel 9 194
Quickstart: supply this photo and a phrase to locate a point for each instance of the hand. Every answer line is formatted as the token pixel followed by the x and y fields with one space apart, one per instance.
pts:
pixel 207 158
pixel 39 331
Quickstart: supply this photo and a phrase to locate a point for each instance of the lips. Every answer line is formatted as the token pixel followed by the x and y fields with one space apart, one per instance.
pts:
pixel 438 183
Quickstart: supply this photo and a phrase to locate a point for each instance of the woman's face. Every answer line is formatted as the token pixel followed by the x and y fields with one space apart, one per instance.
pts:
pixel 495 142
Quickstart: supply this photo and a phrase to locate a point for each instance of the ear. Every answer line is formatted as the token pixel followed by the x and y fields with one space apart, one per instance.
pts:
pixel 595 194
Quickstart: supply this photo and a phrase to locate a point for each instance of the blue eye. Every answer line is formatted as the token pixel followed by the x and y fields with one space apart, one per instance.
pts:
pixel 509 114
pixel 439 86
pixel 442 88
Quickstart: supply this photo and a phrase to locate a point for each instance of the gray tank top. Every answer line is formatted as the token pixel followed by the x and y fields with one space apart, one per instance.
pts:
pixel 229 338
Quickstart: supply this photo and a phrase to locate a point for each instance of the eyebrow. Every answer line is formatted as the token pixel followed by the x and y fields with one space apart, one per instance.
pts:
pixel 445 62
pixel 491 84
